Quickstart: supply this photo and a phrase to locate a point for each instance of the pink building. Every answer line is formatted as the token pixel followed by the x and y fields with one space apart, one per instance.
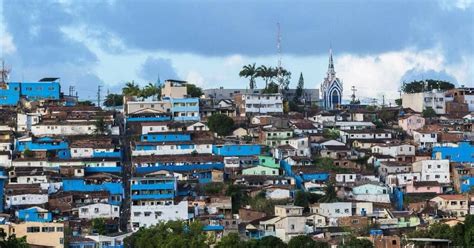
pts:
pixel 424 187
pixel 412 122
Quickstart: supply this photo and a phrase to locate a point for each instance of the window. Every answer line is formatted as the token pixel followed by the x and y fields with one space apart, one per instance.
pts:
pixel 33 229
pixel 96 210
pixel 292 227
pixel 60 229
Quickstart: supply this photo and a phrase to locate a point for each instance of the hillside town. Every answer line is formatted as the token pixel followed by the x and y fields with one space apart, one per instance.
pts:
pixel 170 162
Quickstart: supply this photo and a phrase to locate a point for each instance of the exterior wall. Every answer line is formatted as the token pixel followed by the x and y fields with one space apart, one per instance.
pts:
pixel 185 109
pixel 114 188
pixel 99 210
pixel 433 170
pixel 25 199
pixel 154 128
pixel 88 152
pixel 333 210
pixel 147 107
pixel 460 153
pixel 402 179
pixel 10 95
pixel 278 194
pixel 289 227
pixel 259 103
pixel 420 101
pixel 146 216
pixel 38 233
pixel 424 189
pixel 260 170
pixel 346 178
pixel 174 89
pixel 457 206
pixel 168 149
pixel 411 123
pixel 425 140
pixel 163 137
pixel 54 129
pixel 5 160
pixel 395 150
pixel 34 214
pixel 371 193
pixel 236 150
pixel 25 121
pixel 34 91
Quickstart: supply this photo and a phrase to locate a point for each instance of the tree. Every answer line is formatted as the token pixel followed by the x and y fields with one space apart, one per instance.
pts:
pixel 231 240
pixel 113 100
pixel 249 71
pixel 299 89
pixel 220 124
pixel 426 85
pixel 85 103
pixel 12 241
pixel 266 73
pixel 100 127
pixel 238 195
pixel 177 234
pixel 98 226
pixel 330 194
pixel 150 90
pixel 357 243
pixel 271 88
pixel 398 102
pixel 270 242
pixel 301 199
pixel 330 133
pixel 28 153
pixel 193 90
pixel 428 112
pixel 304 241
pixel 131 89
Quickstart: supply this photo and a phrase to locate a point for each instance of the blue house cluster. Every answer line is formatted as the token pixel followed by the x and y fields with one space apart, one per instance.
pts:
pixel 46 88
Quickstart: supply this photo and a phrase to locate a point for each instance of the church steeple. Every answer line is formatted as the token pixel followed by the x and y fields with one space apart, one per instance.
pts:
pixel 331 71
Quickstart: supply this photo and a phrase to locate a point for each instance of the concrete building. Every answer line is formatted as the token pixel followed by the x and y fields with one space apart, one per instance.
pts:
pixel 425 139
pixel 99 210
pixel 254 104
pixel 218 94
pixel 38 234
pixel 433 170
pixel 420 101
pixel 455 204
pixel 46 88
pixel 412 122
pixel 174 89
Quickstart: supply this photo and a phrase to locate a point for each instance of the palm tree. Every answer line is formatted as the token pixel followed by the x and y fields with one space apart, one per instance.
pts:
pixel 249 71
pixel 131 89
pixel 266 73
pixel 149 90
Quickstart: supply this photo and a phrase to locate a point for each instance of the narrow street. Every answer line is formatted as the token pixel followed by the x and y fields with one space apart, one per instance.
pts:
pixel 126 174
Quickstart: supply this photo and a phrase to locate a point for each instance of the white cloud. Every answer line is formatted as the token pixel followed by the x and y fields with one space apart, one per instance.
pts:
pixel 7 46
pixel 459 4
pixel 195 77
pixel 376 75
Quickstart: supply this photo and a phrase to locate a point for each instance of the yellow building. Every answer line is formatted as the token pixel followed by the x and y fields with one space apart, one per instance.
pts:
pixel 38 233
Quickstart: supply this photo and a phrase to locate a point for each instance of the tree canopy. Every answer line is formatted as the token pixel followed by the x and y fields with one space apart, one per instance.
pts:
pixel 428 112
pixel 12 241
pixel 113 100
pixel 426 85
pixel 220 124
pixel 249 71
pixel 193 90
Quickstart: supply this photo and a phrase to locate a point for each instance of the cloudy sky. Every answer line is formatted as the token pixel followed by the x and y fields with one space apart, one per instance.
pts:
pixel 377 44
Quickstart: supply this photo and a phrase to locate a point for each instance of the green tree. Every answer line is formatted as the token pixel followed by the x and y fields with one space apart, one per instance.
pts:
pixel 271 88
pixel 150 90
pixel 299 89
pixel 100 127
pixel 131 89
pixel 301 199
pixel 266 73
pixel 220 124
pixel 232 240
pixel 330 133
pixel 85 103
pixel 238 195
pixel 426 85
pixel 98 226
pixel 330 194
pixel 176 234
pixel 302 241
pixel 113 100
pixel 398 102
pixel 12 241
pixel 28 153
pixel 428 112
pixel 270 242
pixel 357 243
pixel 193 90
pixel 249 71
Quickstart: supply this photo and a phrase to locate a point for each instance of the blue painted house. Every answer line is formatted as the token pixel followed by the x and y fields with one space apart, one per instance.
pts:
pixel 59 146
pixel 165 137
pixel 3 178
pixel 177 163
pixel 97 182
pixel 184 109
pixel 154 186
pixel 236 150
pixel 34 214
pixel 460 153
pixel 46 88
pixel 148 117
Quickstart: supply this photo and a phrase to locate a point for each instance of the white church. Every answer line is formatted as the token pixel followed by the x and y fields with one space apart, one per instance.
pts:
pixel 331 88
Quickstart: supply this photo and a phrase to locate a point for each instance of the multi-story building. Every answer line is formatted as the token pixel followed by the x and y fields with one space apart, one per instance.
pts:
pixel 412 122
pixel 174 89
pixel 458 153
pixel 185 109
pixel 425 139
pixel 429 99
pixel 433 170
pixel 46 88
pixel 454 204
pixel 38 234
pixel 253 104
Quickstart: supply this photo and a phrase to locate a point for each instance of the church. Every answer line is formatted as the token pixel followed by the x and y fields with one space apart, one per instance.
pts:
pixel 331 88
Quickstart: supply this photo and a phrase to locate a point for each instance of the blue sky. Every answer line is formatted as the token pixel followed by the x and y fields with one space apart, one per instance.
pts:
pixel 377 44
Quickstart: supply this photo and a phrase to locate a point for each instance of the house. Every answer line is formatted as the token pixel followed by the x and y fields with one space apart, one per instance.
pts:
pixel 433 170
pixel 260 170
pixel 34 214
pixel 232 150
pixel 305 127
pixel 18 195
pixel 334 211
pixel 98 210
pixel 424 187
pixel 97 182
pixel 365 134
pixel 240 132
pixel 456 205
pixel 411 122
pixel 336 152
pixel 354 125
pixel 81 242
pixel 425 139
pixel 109 241
pixel 423 100
pixel 290 222
pixel 184 109
pixel 174 89
pixel 38 234
pixel 402 152
pixel 371 192
pixel 46 88
pixel 252 104
pixel 298 160
pixel 463 177
pixel 278 192
pixel 275 136
pixel 457 153
pixel 393 167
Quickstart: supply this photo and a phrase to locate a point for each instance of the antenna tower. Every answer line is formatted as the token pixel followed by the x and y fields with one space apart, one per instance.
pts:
pixel 353 96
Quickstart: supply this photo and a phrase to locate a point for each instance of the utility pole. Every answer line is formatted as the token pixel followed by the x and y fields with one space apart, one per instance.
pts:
pixel 383 101
pixel 353 89
pixel 71 90
pixel 98 95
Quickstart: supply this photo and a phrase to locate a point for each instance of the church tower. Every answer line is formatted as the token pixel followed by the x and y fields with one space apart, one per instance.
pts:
pixel 331 88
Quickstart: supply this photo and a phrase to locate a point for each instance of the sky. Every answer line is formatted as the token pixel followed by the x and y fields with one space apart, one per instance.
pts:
pixel 377 44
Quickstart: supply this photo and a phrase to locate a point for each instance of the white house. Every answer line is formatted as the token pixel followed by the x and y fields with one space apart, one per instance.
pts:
pixel 25 121
pixel 66 128
pixel 170 148
pixel 259 104
pixel 402 179
pixel 99 210
pixel 371 192
pixel 425 140
pixel 26 199
pixel 433 170
pixel 148 215
pixel 346 178
pixel 5 159
pixel 420 101
pixel 354 125
pixel 277 193
pixel 364 134
pixel 394 150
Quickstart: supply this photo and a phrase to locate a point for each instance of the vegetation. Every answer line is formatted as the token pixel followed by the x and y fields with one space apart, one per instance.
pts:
pixel 176 234
pixel 330 133
pixel 304 241
pixel 220 124
pixel 193 90
pixel 357 243
pixel 113 100
pixel 299 89
pixel 28 153
pixel 239 196
pixel 85 103
pixel 212 188
pixel 426 85
pixel 262 204
pixel 462 234
pixel 12 241
pixel 98 226
pixel 330 194
pixel 100 127
pixel 398 102
pixel 131 89
pixel 428 113
pixel 271 88
pixel 150 90
pixel 249 71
